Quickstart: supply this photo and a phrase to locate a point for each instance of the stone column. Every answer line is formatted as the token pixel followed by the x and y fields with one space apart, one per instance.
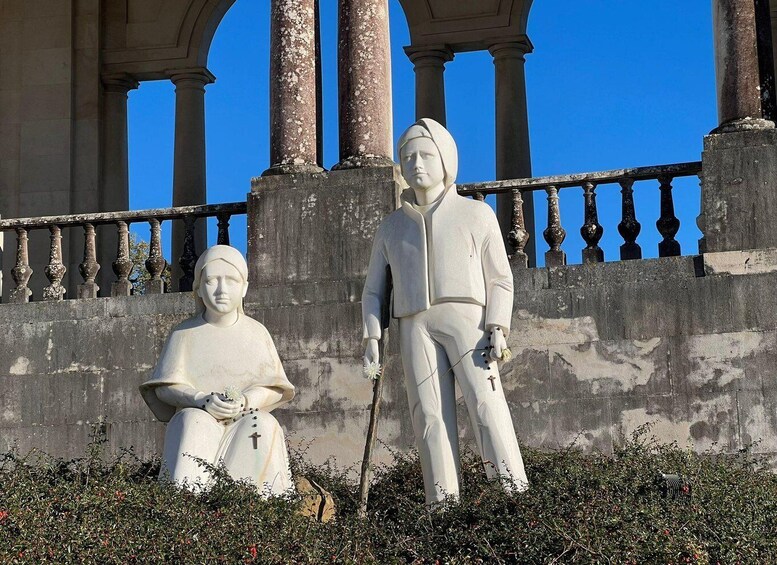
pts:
pixel 737 67
pixel 114 193
pixel 429 66
pixel 293 127
pixel 189 156
pixel 513 158
pixel 364 73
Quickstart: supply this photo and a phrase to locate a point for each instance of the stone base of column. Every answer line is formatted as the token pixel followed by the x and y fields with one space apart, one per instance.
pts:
pixel 121 288
pixel 739 190
pixel 744 124
pixel 87 290
pixel 155 287
pixel 292 170
pixel 310 236
pixel 555 258
pixel 19 295
pixel 363 161
pixel 595 255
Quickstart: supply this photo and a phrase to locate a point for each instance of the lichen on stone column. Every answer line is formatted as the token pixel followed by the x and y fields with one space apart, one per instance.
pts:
pixel 293 135
pixel 364 53
pixel 737 68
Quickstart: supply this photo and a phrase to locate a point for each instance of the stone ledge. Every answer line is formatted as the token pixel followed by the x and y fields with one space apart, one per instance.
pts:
pixel 327 180
pixel 609 273
pixel 749 262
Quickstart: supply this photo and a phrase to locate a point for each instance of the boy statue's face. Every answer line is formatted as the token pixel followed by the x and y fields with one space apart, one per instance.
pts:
pixel 421 164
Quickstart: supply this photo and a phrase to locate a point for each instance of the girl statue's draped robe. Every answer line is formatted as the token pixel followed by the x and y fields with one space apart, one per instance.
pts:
pixel 211 359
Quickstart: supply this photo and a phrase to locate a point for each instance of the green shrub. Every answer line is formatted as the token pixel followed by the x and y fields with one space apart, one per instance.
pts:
pixel 581 508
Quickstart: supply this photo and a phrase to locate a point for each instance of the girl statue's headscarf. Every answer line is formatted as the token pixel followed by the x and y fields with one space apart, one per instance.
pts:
pixel 442 138
pixel 218 252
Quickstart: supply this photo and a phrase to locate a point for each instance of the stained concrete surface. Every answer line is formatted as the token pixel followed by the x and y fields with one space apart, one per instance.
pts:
pixel 599 351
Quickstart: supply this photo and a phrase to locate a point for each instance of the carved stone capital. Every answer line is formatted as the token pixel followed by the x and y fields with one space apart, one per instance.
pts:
pixel 196 78
pixel 516 49
pixel 429 55
pixel 120 83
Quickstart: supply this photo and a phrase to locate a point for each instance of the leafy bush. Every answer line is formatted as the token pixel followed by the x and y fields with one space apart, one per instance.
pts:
pixel 581 508
pixel 139 276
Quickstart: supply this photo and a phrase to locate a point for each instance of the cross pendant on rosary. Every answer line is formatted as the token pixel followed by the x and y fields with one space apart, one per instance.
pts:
pixel 492 378
pixel 255 436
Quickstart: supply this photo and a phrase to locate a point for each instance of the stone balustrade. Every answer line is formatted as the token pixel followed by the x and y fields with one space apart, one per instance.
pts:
pixel 518 236
pixel 155 263
pixel 592 231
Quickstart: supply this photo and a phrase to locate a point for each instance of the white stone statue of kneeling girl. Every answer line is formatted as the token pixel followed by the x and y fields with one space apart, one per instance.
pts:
pixel 217 380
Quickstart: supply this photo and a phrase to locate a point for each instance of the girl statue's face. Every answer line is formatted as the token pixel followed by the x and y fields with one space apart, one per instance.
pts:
pixel 222 287
pixel 421 164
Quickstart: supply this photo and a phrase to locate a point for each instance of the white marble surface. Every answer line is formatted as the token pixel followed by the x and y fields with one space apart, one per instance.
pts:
pixel 453 295
pixel 217 380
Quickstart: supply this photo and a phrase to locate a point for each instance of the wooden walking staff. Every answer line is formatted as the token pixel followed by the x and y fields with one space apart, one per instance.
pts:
pixel 377 393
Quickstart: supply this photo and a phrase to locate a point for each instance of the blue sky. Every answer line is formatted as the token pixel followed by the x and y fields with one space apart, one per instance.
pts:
pixel 611 84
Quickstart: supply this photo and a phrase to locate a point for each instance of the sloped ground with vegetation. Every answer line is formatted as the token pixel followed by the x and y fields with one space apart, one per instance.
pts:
pixel 581 508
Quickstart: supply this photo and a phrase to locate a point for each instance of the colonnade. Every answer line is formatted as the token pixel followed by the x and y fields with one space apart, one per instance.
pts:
pixel 365 108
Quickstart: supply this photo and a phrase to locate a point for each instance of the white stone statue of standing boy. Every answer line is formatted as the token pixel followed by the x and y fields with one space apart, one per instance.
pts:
pixel 217 380
pixel 453 295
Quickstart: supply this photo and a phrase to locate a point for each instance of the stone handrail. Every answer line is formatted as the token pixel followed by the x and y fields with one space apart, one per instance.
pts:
pixel 155 263
pixel 668 224
pixel 96 218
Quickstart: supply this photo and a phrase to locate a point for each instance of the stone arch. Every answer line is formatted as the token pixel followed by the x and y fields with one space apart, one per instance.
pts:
pixel 203 27
pixel 147 38
pixel 464 25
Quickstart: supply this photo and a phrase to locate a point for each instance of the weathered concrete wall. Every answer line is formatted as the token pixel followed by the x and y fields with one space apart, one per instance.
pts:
pixel 66 366
pixel 688 343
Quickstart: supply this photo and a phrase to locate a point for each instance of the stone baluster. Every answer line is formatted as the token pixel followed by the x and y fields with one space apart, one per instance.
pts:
pixel 293 137
pixel 629 227
pixel 55 270
pixel 223 228
pixel 188 258
pixel 668 224
pixel 122 266
pixel 592 230
pixel 155 263
pixel 518 236
pixel 364 89
pixel 554 234
pixel 89 267
pixel 21 272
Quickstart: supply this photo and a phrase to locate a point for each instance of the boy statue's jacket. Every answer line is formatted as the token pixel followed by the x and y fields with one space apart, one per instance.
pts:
pixel 451 253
